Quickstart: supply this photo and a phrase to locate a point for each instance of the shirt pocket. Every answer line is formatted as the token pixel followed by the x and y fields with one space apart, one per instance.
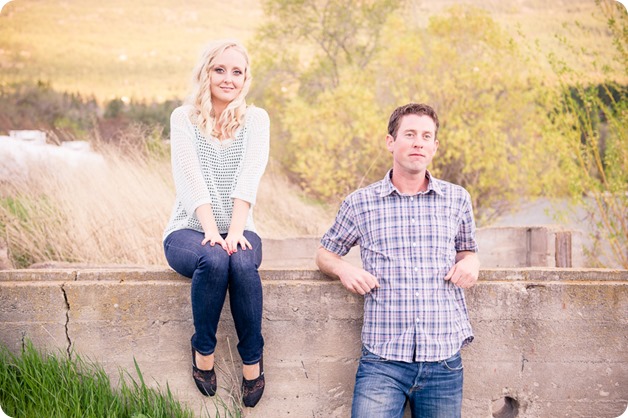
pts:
pixel 443 230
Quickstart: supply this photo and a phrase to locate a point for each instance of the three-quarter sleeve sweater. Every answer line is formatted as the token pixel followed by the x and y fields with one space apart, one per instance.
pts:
pixel 209 171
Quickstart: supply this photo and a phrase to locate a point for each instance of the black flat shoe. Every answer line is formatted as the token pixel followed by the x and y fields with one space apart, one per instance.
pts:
pixel 252 390
pixel 205 379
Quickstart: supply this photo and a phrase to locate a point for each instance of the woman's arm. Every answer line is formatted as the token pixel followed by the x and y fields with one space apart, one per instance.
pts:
pixel 206 217
pixel 236 229
pixel 253 167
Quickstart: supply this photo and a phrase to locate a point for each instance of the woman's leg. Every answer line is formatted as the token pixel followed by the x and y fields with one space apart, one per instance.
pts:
pixel 245 297
pixel 208 267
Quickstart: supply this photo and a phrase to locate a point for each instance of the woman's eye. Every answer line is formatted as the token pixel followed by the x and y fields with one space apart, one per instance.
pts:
pixel 219 70
pixel 237 72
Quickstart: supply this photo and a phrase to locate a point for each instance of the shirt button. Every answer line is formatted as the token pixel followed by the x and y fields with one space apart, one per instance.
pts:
pixel 413 220
pixel 416 294
pixel 416 320
pixel 412 199
pixel 414 244
pixel 416 269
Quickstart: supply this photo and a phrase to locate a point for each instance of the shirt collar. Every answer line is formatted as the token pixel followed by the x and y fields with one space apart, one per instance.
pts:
pixel 387 187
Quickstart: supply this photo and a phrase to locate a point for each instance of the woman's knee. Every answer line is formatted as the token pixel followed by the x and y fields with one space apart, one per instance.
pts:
pixel 214 259
pixel 243 262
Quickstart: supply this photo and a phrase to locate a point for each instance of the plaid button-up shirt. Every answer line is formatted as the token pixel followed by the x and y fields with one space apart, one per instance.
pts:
pixel 409 242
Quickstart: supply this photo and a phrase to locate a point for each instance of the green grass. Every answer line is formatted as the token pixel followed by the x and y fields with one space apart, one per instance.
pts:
pixel 45 385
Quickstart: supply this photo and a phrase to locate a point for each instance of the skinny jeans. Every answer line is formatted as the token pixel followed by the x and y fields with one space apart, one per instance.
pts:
pixel 213 271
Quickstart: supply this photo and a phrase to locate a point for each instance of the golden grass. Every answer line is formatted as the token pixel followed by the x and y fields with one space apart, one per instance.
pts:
pixel 115 212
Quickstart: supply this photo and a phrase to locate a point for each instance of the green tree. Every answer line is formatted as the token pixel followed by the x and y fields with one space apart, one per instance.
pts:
pixel 485 92
pixel 307 49
pixel 326 35
pixel 589 127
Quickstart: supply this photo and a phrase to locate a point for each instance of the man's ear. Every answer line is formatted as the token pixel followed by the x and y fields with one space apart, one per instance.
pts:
pixel 389 142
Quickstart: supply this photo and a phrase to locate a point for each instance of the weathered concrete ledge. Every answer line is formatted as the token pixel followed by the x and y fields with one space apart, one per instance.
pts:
pixel 549 342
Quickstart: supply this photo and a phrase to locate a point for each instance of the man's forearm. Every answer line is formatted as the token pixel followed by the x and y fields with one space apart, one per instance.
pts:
pixel 328 262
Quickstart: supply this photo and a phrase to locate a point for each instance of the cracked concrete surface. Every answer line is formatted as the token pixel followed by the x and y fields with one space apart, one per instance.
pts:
pixel 553 340
pixel 67 321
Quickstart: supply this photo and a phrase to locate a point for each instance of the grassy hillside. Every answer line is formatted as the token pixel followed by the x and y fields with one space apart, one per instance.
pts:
pixel 139 48
pixel 146 48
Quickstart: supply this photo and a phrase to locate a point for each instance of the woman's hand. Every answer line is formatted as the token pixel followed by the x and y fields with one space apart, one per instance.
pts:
pixel 232 241
pixel 214 237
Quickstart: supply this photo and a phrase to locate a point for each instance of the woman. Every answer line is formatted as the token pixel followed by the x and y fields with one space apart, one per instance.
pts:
pixel 219 153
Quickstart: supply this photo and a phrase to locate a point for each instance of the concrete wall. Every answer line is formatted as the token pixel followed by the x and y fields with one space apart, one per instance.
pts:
pixel 506 246
pixel 549 342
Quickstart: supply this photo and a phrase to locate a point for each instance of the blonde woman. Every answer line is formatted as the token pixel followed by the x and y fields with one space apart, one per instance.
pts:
pixel 219 153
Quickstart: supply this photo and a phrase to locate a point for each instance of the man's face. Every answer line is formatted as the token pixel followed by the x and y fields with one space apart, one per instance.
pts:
pixel 415 144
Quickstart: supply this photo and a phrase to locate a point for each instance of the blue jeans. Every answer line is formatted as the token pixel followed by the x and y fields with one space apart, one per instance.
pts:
pixel 382 387
pixel 213 271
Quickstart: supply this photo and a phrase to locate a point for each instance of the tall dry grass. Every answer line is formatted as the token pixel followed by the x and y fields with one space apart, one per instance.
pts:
pixel 114 213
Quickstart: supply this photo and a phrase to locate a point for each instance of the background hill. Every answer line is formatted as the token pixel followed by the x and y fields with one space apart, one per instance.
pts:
pixel 145 49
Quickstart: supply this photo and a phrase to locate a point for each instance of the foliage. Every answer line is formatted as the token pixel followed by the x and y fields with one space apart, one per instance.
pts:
pixel 484 90
pixel 38 106
pixel 334 141
pixel 589 124
pixel 313 63
pixel 337 32
pixel 36 385
pixel 70 116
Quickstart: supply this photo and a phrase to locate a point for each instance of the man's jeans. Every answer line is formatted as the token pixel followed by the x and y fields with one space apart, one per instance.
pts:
pixel 212 271
pixel 382 387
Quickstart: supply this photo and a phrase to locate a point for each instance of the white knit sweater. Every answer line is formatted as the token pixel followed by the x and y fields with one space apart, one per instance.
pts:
pixel 207 170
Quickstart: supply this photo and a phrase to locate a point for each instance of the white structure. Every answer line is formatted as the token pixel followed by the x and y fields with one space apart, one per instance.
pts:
pixel 18 154
pixel 33 136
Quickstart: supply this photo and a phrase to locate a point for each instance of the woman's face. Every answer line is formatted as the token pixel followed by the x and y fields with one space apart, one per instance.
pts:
pixel 227 77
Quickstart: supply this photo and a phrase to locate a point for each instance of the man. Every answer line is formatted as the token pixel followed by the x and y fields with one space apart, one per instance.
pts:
pixel 417 243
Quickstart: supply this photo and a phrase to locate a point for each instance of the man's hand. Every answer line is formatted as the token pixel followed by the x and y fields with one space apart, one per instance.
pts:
pixel 466 270
pixel 354 279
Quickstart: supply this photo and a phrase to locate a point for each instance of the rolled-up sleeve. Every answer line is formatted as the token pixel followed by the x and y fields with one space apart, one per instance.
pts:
pixel 343 234
pixel 465 238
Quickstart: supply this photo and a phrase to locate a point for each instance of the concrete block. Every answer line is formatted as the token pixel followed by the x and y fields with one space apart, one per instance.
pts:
pixel 128 300
pixel 502 247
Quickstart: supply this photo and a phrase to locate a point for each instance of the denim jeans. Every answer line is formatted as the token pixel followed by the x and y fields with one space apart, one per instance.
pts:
pixel 212 272
pixel 382 387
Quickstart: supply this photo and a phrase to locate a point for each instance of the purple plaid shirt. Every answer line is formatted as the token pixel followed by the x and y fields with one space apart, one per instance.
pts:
pixel 409 243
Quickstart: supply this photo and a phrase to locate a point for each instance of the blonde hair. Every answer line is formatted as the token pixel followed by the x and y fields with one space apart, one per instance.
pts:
pixel 200 95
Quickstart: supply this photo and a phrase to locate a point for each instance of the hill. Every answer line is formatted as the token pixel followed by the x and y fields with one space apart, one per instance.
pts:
pixel 145 49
